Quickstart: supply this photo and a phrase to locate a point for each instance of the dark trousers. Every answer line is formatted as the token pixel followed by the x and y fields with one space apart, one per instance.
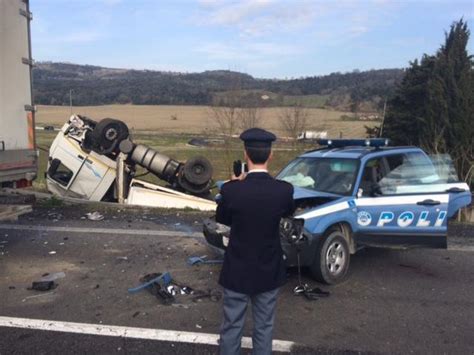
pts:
pixel 263 311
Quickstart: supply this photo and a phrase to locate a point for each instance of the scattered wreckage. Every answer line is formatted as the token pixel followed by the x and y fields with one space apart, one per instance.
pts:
pixel 97 161
pixel 355 193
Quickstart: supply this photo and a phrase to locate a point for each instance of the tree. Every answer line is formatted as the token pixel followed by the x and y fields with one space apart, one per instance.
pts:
pixel 226 118
pixel 434 105
pixel 372 131
pixel 249 117
pixel 293 120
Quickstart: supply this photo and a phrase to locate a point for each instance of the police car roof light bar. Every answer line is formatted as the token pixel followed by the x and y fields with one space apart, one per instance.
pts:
pixel 369 142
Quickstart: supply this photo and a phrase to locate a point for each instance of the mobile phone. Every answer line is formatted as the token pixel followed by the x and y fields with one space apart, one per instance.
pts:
pixel 240 167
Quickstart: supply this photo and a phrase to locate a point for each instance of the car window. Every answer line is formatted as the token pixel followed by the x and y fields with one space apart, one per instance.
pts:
pixel 59 172
pixel 333 175
pixel 406 173
pixel 371 175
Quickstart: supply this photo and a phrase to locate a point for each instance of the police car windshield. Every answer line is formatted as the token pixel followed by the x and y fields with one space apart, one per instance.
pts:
pixel 332 175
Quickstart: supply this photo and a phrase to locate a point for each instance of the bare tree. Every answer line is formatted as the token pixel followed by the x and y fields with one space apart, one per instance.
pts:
pixel 226 118
pixel 225 115
pixel 232 112
pixel 293 120
pixel 249 117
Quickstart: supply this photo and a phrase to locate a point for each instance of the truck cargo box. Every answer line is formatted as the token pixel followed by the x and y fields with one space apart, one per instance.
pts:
pixel 18 155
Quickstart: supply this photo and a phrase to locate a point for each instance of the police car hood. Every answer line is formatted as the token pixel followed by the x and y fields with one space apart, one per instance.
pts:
pixel 306 198
pixel 301 192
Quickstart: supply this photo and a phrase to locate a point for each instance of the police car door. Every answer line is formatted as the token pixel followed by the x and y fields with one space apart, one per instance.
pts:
pixel 402 202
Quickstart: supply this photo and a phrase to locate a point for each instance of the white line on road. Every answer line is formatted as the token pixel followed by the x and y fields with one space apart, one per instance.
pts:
pixel 130 332
pixel 460 247
pixel 160 233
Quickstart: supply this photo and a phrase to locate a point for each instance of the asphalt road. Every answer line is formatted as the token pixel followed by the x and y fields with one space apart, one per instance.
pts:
pixel 417 301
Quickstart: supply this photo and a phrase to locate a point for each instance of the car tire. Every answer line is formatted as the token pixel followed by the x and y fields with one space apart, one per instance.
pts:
pixel 332 258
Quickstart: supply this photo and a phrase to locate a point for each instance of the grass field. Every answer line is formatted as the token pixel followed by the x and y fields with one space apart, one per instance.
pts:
pixel 153 126
pixel 194 119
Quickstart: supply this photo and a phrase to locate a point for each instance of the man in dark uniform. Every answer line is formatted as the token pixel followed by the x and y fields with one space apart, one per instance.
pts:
pixel 252 205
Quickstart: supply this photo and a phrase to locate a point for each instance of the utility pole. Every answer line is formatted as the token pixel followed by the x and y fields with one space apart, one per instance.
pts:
pixel 383 117
pixel 70 100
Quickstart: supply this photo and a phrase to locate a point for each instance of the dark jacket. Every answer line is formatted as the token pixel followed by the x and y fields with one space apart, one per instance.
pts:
pixel 253 207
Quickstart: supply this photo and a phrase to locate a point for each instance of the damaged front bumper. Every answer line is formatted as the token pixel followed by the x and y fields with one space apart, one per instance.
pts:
pixel 217 237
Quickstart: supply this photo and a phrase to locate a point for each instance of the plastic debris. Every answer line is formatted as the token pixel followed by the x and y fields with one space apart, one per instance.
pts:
pixel 54 276
pixel 213 295
pixel 43 285
pixel 194 260
pixel 94 216
pixel 163 287
pixel 40 295
pixel 151 279
pixel 311 294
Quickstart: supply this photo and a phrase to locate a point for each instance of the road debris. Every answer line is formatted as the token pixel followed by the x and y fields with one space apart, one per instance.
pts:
pixel 151 280
pixel 163 287
pixel 213 295
pixel 55 216
pixel 94 216
pixel 53 277
pixel 43 286
pixel 11 212
pixel 311 294
pixel 194 260
pixel 39 295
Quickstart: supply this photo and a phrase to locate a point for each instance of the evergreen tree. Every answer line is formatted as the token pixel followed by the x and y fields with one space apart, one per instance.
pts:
pixel 434 105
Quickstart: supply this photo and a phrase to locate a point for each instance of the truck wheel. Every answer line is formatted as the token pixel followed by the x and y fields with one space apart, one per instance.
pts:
pixel 332 258
pixel 107 135
pixel 197 170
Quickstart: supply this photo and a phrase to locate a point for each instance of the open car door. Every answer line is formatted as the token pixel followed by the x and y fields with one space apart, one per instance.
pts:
pixel 406 199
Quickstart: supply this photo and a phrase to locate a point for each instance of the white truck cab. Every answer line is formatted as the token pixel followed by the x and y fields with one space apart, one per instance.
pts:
pixel 96 161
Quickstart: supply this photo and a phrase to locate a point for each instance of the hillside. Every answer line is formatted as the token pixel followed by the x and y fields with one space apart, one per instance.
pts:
pixel 93 85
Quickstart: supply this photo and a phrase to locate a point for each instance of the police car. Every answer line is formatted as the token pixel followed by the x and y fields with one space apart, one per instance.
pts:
pixel 356 193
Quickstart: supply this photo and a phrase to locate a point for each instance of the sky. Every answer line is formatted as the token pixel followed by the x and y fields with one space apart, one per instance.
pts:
pixel 265 38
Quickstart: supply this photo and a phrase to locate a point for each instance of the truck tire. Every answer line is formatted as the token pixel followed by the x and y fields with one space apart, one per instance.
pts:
pixel 331 263
pixel 107 135
pixel 197 170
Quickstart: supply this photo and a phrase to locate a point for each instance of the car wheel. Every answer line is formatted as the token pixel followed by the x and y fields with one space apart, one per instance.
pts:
pixel 332 258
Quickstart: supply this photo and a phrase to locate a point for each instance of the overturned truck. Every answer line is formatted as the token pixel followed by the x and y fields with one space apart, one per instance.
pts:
pixel 98 161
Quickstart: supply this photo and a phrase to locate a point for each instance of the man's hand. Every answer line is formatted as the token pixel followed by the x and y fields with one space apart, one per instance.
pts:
pixel 239 170
pixel 242 176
